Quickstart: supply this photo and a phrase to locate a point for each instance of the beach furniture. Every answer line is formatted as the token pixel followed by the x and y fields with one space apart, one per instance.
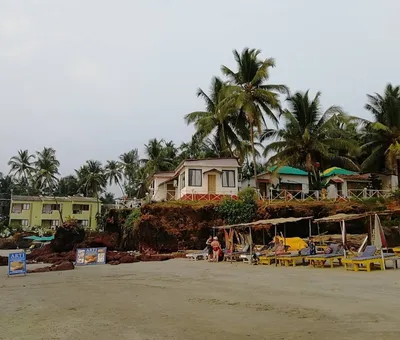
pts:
pixel 202 255
pixel 294 259
pixel 266 259
pixel 233 256
pixel 320 260
pixel 367 260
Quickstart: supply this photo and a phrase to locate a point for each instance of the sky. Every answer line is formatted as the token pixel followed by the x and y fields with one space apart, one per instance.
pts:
pixel 96 78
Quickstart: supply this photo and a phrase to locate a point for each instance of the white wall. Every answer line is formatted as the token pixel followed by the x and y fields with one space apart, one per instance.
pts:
pixel 303 180
pixel 159 191
pixel 203 189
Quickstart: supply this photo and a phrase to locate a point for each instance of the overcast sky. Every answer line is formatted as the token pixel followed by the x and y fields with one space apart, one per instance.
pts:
pixel 96 78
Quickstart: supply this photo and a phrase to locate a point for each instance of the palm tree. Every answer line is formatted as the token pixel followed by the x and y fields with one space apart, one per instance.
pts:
pixel 93 181
pixel 216 120
pixel 22 167
pixel 383 135
pixel 309 137
pixel 249 92
pixel 130 162
pixel 157 158
pixel 67 186
pixel 91 178
pixel 46 169
pixel 113 173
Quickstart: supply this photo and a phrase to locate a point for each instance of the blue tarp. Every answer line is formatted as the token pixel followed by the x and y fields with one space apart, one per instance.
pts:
pixel 39 239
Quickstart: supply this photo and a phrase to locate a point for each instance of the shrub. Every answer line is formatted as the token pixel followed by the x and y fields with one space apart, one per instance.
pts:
pixel 241 211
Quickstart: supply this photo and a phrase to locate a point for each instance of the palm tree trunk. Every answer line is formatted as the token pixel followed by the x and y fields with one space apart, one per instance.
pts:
pixel 122 190
pixel 253 150
pixel 398 172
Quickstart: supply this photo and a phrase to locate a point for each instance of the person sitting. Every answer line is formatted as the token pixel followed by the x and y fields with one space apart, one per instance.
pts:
pixel 209 248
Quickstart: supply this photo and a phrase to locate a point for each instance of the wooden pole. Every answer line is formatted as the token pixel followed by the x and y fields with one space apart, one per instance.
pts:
pixel 251 247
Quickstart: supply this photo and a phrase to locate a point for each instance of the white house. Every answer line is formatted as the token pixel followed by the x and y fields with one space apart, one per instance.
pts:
pixel 275 179
pixel 197 179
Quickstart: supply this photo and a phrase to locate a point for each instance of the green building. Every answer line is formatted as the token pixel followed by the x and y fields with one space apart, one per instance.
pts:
pixel 30 211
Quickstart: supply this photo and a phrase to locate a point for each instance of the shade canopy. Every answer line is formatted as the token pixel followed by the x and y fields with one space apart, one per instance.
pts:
pixel 340 217
pixel 273 221
pixel 40 239
pixel 334 171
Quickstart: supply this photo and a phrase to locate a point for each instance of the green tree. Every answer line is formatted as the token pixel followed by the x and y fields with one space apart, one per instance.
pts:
pixel 46 170
pixel 113 173
pixel 91 178
pixel 22 167
pixel 67 186
pixel 158 157
pixel 382 139
pixel 309 137
pixel 249 92
pixel 216 123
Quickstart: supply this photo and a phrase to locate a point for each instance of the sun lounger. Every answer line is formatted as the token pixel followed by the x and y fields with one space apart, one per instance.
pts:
pixel 320 260
pixel 198 256
pixel 291 259
pixel 367 260
pixel 236 254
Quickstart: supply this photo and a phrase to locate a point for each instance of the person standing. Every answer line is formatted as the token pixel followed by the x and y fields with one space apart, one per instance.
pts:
pixel 216 246
pixel 209 248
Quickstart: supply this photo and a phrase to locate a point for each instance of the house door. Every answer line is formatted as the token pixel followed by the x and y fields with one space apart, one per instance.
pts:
pixel 212 184
pixel 170 192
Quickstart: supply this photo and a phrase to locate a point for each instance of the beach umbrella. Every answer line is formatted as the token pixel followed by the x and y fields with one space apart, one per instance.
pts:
pixel 379 240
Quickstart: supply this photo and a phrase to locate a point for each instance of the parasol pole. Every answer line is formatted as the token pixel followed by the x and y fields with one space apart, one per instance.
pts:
pixel 276 264
pixel 309 229
pixel 284 235
pixel 343 223
pixel 251 247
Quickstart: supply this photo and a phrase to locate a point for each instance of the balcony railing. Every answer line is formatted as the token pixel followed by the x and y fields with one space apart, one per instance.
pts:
pixel 316 195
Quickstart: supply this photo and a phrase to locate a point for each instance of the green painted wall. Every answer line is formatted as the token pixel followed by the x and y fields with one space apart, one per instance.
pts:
pixel 36 217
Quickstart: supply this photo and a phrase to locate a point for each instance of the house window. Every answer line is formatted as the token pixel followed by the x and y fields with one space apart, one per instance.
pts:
pixel 49 208
pixel 84 223
pixel 182 180
pixel 17 208
pixel 195 179
pixel 55 223
pixel 24 223
pixel 26 206
pixel 78 208
pixel 228 178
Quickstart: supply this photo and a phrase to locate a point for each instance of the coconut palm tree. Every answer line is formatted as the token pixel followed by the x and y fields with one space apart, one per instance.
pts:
pixel 22 167
pixel 46 170
pixel 91 178
pixel 249 92
pixel 67 186
pixel 217 121
pixel 157 158
pixel 309 137
pixel 382 139
pixel 113 173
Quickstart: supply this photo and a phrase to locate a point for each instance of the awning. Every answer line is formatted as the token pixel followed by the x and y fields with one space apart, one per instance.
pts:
pixel 340 217
pixel 336 180
pixel 212 170
pixel 273 221
pixel 40 239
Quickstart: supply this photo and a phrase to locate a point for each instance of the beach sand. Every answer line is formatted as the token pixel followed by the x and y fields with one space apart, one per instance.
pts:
pixel 180 299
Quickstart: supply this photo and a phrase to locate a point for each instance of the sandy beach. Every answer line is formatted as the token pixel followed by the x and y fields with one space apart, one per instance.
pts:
pixel 180 299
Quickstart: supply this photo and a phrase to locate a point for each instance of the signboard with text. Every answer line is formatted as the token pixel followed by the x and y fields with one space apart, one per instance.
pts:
pixel 17 264
pixel 89 256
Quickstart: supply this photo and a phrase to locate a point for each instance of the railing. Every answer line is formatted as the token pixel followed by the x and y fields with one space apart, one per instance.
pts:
pixel 316 195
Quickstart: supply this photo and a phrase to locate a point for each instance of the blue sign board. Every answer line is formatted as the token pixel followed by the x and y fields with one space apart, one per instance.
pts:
pixel 17 264
pixel 90 256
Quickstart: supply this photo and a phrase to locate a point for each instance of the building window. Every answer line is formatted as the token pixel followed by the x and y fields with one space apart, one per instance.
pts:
pixel 26 206
pixel 55 223
pixel 17 208
pixel 228 178
pixel 24 223
pixel 84 223
pixel 49 208
pixel 182 180
pixel 78 208
pixel 195 179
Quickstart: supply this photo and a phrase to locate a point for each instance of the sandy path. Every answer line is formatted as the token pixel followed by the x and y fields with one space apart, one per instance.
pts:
pixel 179 300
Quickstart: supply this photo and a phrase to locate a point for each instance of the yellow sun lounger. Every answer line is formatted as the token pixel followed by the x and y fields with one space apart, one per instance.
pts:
pixel 267 259
pixel 320 261
pixel 291 260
